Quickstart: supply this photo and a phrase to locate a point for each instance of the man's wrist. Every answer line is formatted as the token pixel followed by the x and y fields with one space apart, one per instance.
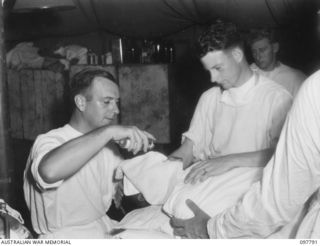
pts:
pixel 108 133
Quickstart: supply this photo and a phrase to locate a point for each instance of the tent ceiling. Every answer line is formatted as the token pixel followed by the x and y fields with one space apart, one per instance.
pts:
pixel 151 18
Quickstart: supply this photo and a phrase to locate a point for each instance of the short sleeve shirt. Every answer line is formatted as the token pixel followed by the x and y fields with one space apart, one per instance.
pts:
pixel 81 200
pixel 243 119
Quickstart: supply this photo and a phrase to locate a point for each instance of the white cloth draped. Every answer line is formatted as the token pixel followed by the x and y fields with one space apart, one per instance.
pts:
pixel 162 183
pixel 213 195
pixel 152 175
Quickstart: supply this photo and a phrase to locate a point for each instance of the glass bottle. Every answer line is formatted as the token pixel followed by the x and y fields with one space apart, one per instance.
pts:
pixel 103 59
pixel 109 60
pixel 171 53
pixel 144 52
pixel 89 59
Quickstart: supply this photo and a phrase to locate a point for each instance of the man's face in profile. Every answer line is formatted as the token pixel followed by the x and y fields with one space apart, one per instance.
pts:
pixel 223 68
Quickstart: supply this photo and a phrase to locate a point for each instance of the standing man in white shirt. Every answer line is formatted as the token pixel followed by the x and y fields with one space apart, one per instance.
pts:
pixel 238 125
pixel 289 190
pixel 264 50
pixel 288 194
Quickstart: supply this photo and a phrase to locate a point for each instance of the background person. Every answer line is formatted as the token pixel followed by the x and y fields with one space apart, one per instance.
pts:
pixel 264 50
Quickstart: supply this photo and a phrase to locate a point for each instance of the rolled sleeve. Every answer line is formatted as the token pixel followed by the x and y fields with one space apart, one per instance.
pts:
pixel 195 131
pixel 202 123
pixel 42 146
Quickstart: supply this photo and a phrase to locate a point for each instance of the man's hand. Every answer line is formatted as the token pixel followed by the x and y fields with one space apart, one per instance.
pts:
pixel 61 162
pixel 139 140
pixel 222 164
pixel 196 227
pixel 209 168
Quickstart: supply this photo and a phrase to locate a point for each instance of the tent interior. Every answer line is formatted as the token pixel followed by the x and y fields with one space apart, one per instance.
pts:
pixel 97 24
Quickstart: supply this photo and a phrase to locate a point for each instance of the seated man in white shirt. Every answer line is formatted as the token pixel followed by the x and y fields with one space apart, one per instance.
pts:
pixel 238 125
pixel 69 177
pixel 264 50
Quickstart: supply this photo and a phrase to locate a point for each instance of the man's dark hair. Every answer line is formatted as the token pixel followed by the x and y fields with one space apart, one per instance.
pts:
pixel 82 80
pixel 220 36
pixel 258 34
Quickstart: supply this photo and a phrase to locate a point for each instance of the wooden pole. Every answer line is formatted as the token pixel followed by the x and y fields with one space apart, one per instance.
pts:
pixel 4 120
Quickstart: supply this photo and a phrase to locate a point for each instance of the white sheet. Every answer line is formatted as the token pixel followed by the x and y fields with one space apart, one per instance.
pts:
pixel 214 194
pixel 152 175
pixel 148 219
pixel 161 182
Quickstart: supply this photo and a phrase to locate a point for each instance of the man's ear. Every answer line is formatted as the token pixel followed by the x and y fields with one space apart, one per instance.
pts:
pixel 275 47
pixel 237 54
pixel 80 102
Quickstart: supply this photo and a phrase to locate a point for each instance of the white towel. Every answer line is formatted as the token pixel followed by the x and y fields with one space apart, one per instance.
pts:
pixel 162 183
pixel 153 175
pixel 214 194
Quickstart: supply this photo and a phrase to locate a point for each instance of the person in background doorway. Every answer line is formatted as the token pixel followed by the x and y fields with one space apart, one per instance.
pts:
pixel 264 50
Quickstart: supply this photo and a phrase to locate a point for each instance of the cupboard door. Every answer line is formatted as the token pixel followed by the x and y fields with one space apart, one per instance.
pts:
pixel 145 98
pixel 36 102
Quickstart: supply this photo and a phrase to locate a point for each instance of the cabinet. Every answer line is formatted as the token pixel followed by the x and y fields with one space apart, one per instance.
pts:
pixel 37 99
pixel 36 102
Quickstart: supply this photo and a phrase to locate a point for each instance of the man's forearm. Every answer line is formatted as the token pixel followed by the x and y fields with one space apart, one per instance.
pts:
pixel 251 159
pixel 67 159
pixel 184 152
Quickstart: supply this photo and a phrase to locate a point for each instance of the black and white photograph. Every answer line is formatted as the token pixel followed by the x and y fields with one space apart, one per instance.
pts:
pixel 160 119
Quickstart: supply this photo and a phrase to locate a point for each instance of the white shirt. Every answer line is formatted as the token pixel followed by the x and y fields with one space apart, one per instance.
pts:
pixel 75 207
pixel 291 79
pixel 243 119
pixel 289 179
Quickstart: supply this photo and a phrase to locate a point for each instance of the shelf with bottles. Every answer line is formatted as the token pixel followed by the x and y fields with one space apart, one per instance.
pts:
pixel 132 51
pixel 102 59
pixel 148 51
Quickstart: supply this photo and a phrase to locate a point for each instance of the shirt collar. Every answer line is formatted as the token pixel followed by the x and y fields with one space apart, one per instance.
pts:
pixel 241 95
pixel 75 133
